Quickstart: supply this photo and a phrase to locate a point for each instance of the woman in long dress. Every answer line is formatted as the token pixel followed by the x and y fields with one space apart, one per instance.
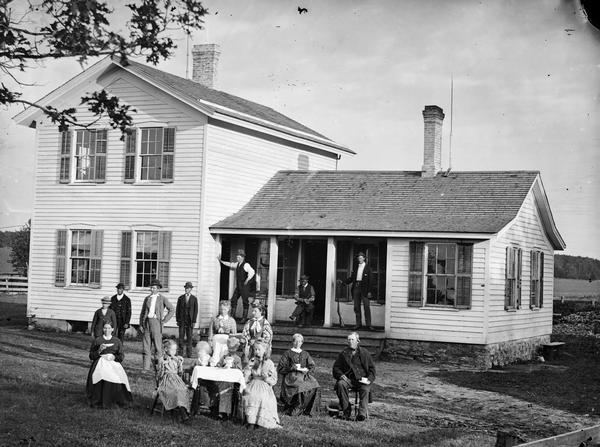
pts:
pixel 257 328
pixel 300 391
pixel 172 390
pixel 259 402
pixel 107 383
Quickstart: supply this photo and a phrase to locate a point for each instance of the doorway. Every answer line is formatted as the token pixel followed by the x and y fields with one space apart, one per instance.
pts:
pixel 314 264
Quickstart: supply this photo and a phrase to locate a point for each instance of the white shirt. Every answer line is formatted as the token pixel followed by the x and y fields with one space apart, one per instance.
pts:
pixel 359 271
pixel 119 297
pixel 152 311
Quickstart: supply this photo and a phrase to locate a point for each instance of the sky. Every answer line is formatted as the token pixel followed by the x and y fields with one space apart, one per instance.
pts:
pixel 526 93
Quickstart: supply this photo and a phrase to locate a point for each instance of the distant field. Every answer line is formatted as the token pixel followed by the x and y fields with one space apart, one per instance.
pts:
pixel 576 288
pixel 5 265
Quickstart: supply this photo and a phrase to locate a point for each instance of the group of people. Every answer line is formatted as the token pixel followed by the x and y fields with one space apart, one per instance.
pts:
pixel 107 383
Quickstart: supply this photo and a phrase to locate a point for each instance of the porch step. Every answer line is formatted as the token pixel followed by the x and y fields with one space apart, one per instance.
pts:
pixel 325 342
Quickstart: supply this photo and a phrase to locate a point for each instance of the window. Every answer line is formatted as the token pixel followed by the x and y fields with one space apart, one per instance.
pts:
pixel 303 162
pixel 512 288
pixel 440 274
pixel 82 265
pixel 155 147
pixel 83 158
pixel 537 279
pixel 287 267
pixel 146 255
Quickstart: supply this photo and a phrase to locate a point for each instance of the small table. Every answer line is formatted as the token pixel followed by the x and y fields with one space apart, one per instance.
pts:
pixel 216 374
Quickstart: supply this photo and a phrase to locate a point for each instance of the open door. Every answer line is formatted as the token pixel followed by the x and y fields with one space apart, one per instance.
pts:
pixel 314 263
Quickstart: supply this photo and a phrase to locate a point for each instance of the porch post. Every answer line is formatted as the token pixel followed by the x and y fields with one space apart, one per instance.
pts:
pixel 218 248
pixel 273 256
pixel 329 281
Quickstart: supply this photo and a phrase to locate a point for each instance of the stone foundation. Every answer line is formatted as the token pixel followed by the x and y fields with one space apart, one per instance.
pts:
pixel 467 355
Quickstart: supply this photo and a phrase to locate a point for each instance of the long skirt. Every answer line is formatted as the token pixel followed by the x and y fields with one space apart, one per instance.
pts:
pixel 173 392
pixel 307 402
pixel 106 393
pixel 260 404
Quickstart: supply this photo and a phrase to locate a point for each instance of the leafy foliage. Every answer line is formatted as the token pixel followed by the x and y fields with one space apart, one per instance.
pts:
pixel 54 29
pixel 19 244
pixel 576 267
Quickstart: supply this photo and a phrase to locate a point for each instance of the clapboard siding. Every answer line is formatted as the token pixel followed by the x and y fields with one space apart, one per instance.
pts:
pixel 526 232
pixel 115 206
pixel 237 166
pixel 433 324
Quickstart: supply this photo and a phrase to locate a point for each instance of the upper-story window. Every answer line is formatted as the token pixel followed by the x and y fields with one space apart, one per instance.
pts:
pixel 149 154
pixel 440 274
pixel 512 278
pixel 83 156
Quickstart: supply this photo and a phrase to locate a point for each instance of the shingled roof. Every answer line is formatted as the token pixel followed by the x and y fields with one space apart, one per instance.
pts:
pixel 389 201
pixel 237 107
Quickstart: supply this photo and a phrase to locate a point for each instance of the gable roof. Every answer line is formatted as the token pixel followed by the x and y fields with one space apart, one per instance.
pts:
pixel 216 104
pixel 384 201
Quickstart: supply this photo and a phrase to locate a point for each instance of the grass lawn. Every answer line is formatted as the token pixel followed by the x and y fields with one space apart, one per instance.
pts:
pixel 42 381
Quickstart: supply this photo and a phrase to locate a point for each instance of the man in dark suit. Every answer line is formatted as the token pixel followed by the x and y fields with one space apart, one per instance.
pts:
pixel 185 314
pixel 361 279
pixel 152 319
pixel 121 305
pixel 354 368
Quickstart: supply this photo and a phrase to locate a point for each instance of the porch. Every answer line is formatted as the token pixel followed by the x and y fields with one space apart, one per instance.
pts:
pixel 328 261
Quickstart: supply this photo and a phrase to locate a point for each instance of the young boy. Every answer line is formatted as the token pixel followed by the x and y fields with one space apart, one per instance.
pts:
pixel 101 316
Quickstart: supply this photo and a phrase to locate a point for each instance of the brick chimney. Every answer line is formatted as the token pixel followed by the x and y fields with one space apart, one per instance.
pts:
pixel 432 157
pixel 205 58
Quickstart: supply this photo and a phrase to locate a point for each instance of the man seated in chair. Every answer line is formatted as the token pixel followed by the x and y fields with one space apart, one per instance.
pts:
pixel 354 369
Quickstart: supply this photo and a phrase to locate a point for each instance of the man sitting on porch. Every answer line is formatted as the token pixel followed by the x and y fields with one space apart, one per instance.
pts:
pixel 354 369
pixel 305 299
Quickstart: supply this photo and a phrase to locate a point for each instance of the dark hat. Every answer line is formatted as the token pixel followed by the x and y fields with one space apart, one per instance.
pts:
pixel 188 285
pixel 241 252
pixel 106 299
pixel 120 286
pixel 304 277
pixel 156 282
pixel 360 253
pixel 258 305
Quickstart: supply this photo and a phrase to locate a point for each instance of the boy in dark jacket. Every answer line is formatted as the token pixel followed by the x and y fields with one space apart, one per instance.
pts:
pixel 121 305
pixel 186 313
pixel 101 316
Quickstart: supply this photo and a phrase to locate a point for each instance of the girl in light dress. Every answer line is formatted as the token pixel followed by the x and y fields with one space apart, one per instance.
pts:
pixel 172 390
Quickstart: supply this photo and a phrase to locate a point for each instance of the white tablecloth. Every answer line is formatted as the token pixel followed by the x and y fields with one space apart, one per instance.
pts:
pixel 233 375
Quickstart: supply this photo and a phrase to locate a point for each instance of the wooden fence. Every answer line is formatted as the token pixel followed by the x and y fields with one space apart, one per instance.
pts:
pixel 13 284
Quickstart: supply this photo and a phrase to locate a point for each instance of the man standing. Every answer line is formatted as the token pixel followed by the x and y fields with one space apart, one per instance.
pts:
pixel 354 368
pixel 305 299
pixel 152 320
pixel 361 291
pixel 244 282
pixel 121 305
pixel 185 314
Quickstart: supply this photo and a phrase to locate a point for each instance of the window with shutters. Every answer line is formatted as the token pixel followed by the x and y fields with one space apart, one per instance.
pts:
pixel 78 258
pixel 149 154
pixel 536 279
pixel 145 256
pixel 83 156
pixel 440 274
pixel 287 267
pixel 513 269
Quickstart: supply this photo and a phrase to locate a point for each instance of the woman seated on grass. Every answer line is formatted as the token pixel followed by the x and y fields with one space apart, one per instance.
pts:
pixel 259 402
pixel 300 391
pixel 173 392
pixel 107 383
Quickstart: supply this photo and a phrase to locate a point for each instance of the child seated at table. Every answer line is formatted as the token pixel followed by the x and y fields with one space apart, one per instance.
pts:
pixel 172 391
pixel 201 395
pixel 233 344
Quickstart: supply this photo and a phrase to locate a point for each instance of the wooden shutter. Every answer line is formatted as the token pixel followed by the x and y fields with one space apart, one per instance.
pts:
pixel 96 258
pixel 98 141
pixel 164 257
pixel 541 286
pixel 507 281
pixel 415 273
pixel 125 267
pixel 65 157
pixel 61 258
pixel 518 272
pixel 130 148
pixel 464 272
pixel 166 173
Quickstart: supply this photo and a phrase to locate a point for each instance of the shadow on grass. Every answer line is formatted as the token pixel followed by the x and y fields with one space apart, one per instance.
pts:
pixel 13 314
pixel 21 351
pixel 571 383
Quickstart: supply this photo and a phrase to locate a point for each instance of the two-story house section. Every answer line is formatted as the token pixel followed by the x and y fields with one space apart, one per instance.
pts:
pixel 109 209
